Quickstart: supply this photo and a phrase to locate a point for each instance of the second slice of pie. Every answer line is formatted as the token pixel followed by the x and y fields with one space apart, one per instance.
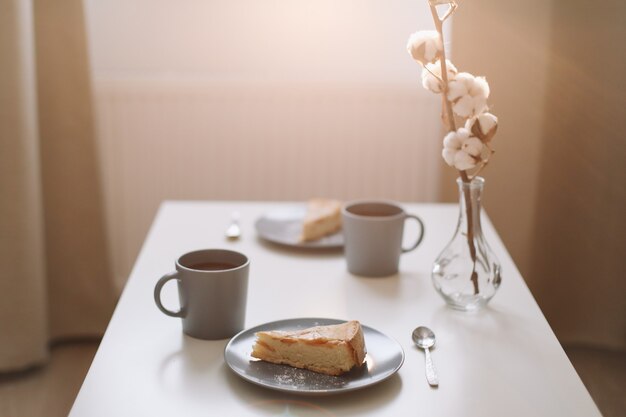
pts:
pixel 323 218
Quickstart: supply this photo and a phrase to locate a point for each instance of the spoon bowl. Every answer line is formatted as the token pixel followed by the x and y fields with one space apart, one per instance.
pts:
pixel 424 337
pixel 234 230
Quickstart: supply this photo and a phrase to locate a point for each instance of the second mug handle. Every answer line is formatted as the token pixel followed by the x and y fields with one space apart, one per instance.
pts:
pixel 157 295
pixel 421 236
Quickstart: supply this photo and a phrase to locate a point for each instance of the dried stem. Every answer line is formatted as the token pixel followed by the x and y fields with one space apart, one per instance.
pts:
pixel 484 162
pixel 444 67
pixel 480 168
pixel 450 11
pixel 452 127
pixel 433 74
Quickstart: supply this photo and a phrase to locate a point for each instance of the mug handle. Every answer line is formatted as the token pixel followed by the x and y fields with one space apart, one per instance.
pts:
pixel 421 236
pixel 157 294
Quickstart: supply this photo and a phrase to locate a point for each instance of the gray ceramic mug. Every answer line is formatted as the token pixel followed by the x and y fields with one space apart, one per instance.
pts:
pixel 212 289
pixel 373 233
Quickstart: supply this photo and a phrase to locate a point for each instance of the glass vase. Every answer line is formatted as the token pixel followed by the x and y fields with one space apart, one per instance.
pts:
pixel 467 272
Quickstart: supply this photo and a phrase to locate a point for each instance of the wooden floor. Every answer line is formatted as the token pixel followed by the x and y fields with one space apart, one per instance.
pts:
pixel 47 391
pixel 50 391
pixel 604 374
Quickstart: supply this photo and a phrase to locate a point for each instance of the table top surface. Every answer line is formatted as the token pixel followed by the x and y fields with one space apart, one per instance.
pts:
pixel 503 360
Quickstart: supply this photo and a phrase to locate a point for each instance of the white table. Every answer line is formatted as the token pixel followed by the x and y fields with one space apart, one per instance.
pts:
pixel 503 361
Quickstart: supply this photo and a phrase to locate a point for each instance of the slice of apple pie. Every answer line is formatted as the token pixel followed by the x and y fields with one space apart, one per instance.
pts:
pixel 330 350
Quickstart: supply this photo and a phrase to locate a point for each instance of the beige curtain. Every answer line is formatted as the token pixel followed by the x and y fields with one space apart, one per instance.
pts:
pixel 580 228
pixel 556 188
pixel 55 280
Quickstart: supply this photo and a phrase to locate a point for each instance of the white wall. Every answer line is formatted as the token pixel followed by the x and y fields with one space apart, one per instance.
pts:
pixel 256 99
pixel 322 40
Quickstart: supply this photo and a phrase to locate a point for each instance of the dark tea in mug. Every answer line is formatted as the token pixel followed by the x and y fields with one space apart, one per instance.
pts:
pixel 212 266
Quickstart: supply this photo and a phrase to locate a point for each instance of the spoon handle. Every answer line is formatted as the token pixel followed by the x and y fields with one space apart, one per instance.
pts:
pixel 431 375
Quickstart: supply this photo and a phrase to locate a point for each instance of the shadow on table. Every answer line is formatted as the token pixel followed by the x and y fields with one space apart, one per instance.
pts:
pixel 493 325
pixel 194 359
pixel 394 288
pixel 353 403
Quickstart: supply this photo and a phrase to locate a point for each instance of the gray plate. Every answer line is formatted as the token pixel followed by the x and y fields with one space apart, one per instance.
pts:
pixel 284 225
pixel 384 357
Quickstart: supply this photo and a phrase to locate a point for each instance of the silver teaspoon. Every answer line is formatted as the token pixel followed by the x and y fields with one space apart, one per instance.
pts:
pixel 425 338
pixel 234 230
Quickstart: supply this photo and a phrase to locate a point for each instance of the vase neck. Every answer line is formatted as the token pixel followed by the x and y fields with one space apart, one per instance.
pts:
pixel 470 195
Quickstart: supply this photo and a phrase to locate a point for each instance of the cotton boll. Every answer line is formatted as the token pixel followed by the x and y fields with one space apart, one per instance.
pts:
pixel 460 86
pixel 463 133
pixel 463 161
pixel 454 140
pixel 468 94
pixel 479 91
pixel 472 146
pixel 425 46
pixel 464 106
pixel 479 105
pixel 480 88
pixel 448 156
pixel 432 82
pixel 461 150
pixel 484 126
pixel 487 122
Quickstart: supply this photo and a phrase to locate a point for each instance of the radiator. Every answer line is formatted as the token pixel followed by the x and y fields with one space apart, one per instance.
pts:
pixel 240 140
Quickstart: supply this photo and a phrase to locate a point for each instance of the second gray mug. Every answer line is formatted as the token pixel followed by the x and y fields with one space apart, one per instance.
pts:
pixel 212 289
pixel 373 232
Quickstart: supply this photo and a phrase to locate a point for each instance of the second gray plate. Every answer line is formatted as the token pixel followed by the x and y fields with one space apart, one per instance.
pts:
pixel 283 226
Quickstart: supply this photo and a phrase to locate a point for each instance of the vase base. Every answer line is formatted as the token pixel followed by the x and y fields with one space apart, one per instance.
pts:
pixel 464 302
